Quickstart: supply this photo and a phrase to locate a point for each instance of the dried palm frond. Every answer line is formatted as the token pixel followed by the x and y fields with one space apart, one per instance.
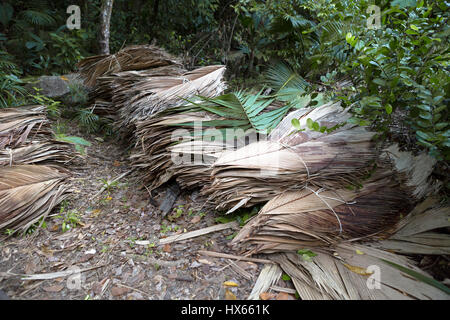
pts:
pixel 26 138
pixel 29 192
pixel 17 124
pixel 38 152
pixel 289 159
pixel 154 137
pixel 268 276
pixel 137 57
pixel 209 127
pixel 313 216
pixel 418 232
pixel 116 90
pixel 344 274
pixel 161 93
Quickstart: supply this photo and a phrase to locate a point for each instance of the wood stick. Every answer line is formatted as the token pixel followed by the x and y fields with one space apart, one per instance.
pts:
pixel 230 256
pixel 54 275
pixel 281 289
pixel 197 233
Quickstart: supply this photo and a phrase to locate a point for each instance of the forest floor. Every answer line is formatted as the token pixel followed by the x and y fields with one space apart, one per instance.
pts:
pixel 106 242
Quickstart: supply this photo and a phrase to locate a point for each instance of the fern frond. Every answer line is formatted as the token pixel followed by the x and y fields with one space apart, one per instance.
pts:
pixel 38 18
pixel 280 75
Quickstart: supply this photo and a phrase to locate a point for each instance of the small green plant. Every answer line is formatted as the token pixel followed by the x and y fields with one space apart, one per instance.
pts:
pixel 306 254
pixel 78 94
pixel 177 213
pixel 131 241
pixel 36 225
pixel 71 219
pixel 9 232
pixel 286 277
pixel 52 106
pixel 79 143
pixel 166 228
pixel 241 216
pixel 149 249
pixel 88 120
pixel 109 185
pixel 231 236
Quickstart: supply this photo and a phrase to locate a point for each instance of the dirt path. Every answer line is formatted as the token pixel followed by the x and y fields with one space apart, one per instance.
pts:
pixel 107 239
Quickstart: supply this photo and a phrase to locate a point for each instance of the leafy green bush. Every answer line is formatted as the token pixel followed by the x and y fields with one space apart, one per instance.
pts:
pixel 402 77
pixel 12 91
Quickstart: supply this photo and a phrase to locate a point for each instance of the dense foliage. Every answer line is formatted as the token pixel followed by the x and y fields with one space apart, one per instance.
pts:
pixel 394 76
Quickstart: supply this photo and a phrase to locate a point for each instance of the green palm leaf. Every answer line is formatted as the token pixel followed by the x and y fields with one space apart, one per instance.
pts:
pixel 245 108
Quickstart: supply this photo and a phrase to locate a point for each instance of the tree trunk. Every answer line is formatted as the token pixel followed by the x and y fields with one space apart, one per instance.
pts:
pixel 105 17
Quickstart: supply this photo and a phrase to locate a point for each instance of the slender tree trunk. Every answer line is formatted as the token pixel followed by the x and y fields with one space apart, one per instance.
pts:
pixel 105 18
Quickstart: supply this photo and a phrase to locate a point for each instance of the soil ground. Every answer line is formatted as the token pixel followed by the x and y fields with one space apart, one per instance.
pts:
pixel 107 241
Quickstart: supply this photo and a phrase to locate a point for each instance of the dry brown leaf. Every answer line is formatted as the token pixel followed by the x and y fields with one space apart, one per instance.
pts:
pixel 230 284
pixel 204 261
pixel 358 270
pixel 229 295
pixel 118 291
pixel 196 219
pixel 267 296
pixel 284 296
pixel 55 288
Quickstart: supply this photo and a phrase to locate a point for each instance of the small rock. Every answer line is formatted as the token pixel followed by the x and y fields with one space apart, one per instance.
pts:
pixel 118 271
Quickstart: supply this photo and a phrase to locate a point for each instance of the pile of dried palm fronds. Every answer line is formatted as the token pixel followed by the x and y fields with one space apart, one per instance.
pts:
pixel 137 57
pixel 371 270
pixel 315 216
pixel 30 192
pixel 183 142
pixel 160 93
pixel 152 154
pixel 26 138
pixel 116 90
pixel 290 159
pixel 31 182
pixel 140 81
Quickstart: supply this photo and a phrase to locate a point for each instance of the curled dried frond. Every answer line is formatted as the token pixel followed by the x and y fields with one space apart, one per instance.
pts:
pixel 30 192
pixel 137 57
